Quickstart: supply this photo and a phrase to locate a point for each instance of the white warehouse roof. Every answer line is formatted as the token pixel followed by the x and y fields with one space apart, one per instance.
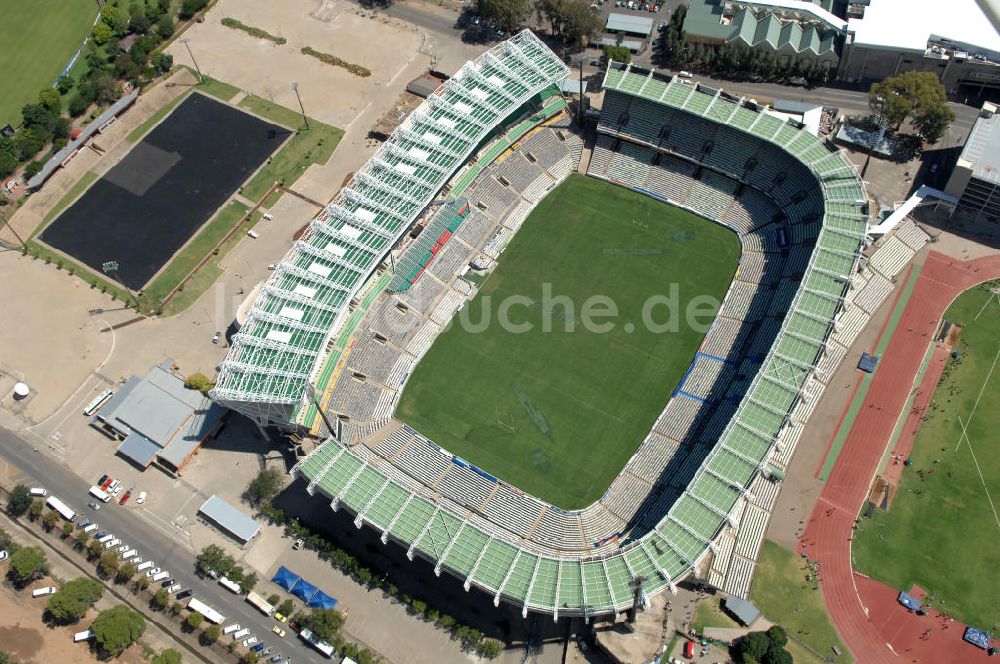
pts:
pixel 909 24
pixel 632 24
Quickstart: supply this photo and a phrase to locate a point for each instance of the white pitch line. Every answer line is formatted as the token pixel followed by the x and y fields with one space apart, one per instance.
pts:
pixel 982 479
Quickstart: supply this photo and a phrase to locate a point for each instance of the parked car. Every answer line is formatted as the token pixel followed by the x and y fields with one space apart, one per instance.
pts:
pixel 277 630
pixel 153 572
pixel 174 588
pixel 280 618
pixel 141 499
pixel 257 647
pixel 249 642
pixel 100 482
pixel 184 593
pixel 215 337
pixel 93 505
pixel 168 582
pixel 274 658
pixel 83 523
pixel 4 555
pixel 298 544
pixel 42 592
pixel 128 494
pixel 106 484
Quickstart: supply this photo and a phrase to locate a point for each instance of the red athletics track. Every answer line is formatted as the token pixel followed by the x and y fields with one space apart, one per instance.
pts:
pixel 875 628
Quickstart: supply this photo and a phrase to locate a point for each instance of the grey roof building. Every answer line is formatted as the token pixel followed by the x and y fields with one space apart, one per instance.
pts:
pixel 790 28
pixel 975 182
pixel 158 419
pixel 629 25
pixel 228 518
pixel 744 612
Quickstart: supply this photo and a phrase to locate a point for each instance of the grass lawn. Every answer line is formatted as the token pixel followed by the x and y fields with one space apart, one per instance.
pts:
pixel 941 532
pixel 37 39
pixel 710 614
pixel 305 148
pixel 558 413
pixel 782 593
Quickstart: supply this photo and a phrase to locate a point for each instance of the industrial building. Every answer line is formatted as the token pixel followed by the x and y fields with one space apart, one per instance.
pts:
pixel 975 181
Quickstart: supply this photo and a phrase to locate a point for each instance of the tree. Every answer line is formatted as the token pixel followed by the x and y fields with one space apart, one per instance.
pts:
pixel 108 564
pixel 35 510
pixel 753 645
pixel 777 635
pixel 214 558
pixel 78 106
pixel 910 94
pixel 617 53
pixel 198 381
pixel 573 21
pixel 50 99
pixel 94 549
pixel 932 122
pixel 489 648
pixel 20 497
pixel 67 529
pixel 162 62
pixel 194 620
pixel 139 23
pixel 27 564
pixel 81 538
pixel 125 572
pixel 273 599
pixel 212 634
pixel 8 164
pixel 161 598
pixel 30 171
pixel 508 15
pixel 142 582
pixel 249 582
pixel 165 26
pixel 249 657
pixel 102 32
pixel 776 655
pixel 191 7
pixel 70 603
pixel 168 656
pixel 286 607
pixel 117 628
pixel 264 487
pixel 325 623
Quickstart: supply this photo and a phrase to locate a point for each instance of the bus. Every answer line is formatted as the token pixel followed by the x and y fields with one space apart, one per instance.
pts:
pixel 61 507
pixel 96 404
pixel 211 615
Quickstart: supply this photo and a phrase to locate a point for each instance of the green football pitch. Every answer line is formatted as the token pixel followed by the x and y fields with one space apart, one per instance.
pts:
pixel 37 39
pixel 942 529
pixel 554 411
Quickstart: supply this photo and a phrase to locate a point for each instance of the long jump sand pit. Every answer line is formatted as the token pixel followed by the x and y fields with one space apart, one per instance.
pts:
pixel 330 94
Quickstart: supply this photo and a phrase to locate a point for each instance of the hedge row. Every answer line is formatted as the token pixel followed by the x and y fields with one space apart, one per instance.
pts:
pixel 253 31
pixel 357 70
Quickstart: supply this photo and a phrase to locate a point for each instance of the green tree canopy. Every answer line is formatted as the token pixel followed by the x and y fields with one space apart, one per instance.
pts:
pixel 910 94
pixel 109 564
pixel 325 623
pixel 168 656
pixel 20 498
pixel 194 620
pixel 617 53
pixel 265 486
pixel 26 565
pixel 71 602
pixel 214 558
pixel 198 381
pixel 573 21
pixel 117 628
pixel 508 15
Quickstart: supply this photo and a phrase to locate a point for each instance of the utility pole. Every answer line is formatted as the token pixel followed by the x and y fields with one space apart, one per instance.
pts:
pixel 882 123
pixel 186 42
pixel 579 108
pixel 111 267
pixel 305 120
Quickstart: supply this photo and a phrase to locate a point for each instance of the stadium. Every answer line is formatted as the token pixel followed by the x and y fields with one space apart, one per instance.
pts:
pixel 338 330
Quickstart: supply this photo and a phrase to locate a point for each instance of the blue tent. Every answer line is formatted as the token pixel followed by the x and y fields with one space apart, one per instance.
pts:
pixel 286 578
pixel 322 600
pixel 304 590
pixel 909 601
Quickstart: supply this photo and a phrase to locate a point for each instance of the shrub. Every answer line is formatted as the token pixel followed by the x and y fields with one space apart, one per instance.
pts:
pixel 35 510
pixel 71 602
pixel 200 382
pixel 357 70
pixel 252 31
pixel 20 501
pixel 194 620
pixel 211 635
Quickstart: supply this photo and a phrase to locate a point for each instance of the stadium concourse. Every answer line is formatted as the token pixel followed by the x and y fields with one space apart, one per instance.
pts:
pixel 705 478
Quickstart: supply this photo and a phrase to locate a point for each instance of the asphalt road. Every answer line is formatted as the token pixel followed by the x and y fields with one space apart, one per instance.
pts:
pixel 151 544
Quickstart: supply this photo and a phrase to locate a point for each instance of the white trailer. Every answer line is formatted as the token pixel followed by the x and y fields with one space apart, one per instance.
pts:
pixel 260 603
pixel 230 585
pixel 61 507
pixel 211 615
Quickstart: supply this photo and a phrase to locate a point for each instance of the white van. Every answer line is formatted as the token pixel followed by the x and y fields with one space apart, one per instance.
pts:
pixel 99 493
pixel 144 566
pixel 38 491
pixel 685 74
pixel 106 538
pixel 159 576
pixel 42 592
pixel 83 636
pixel 129 554
pixel 229 629
pixel 267 215
pixel 90 528
pixel 253 234
pixel 112 544
pixel 240 634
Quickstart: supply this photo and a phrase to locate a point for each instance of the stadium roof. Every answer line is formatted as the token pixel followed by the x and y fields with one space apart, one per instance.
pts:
pixel 982 150
pixel 280 347
pixel 637 25
pixel 599 581
pixel 910 24
pixel 230 519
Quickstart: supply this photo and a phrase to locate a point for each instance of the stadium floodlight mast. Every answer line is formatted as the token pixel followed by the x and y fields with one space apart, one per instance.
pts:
pixel 311 393
pixel 111 267
pixel 305 120
pixel 187 42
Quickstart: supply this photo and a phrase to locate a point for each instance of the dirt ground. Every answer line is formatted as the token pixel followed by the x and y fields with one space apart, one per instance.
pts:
pixel 26 637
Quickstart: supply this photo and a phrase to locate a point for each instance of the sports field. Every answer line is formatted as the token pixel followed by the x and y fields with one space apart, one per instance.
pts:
pixel 942 529
pixel 555 411
pixel 37 39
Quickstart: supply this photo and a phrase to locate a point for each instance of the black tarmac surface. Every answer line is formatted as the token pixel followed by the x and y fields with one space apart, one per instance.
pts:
pixel 150 203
